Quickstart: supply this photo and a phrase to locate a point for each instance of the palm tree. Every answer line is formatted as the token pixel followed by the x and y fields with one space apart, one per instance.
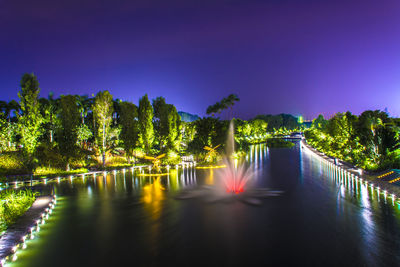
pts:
pixel 84 104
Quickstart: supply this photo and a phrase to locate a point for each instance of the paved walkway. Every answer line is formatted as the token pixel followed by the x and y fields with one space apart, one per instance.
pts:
pixel 15 234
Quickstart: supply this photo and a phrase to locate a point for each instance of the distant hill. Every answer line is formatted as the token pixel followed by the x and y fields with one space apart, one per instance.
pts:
pixel 187 116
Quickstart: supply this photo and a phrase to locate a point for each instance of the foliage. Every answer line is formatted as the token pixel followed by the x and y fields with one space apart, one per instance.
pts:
pixel 226 102
pixel 278 142
pixel 30 120
pixel 168 125
pixel 7 135
pixel 84 134
pixel 370 140
pixel 13 205
pixel 209 131
pixel 11 163
pixel 129 127
pixel 49 109
pixel 146 130
pixel 43 171
pixel 279 121
pixel 102 111
pixel 70 119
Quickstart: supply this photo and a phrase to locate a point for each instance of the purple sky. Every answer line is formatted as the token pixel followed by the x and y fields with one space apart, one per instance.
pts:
pixel 279 56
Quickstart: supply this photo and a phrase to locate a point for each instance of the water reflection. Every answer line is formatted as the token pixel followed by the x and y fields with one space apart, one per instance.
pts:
pixel 327 215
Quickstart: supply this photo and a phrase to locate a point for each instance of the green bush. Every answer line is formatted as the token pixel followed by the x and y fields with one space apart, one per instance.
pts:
pixel 11 163
pixel 13 205
pixel 277 142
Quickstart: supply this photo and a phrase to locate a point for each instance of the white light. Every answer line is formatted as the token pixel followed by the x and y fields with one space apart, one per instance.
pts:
pixel 14 258
pixel 14 249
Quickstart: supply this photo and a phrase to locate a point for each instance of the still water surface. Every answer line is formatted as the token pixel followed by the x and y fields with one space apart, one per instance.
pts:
pixel 322 219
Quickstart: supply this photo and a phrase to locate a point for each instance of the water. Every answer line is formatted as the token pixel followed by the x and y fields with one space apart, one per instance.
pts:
pixel 322 219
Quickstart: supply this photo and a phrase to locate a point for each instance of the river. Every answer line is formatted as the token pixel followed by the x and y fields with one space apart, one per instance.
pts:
pixel 321 219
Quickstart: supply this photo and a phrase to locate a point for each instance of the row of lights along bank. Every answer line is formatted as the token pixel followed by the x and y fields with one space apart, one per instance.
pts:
pixel 34 230
pixel 348 173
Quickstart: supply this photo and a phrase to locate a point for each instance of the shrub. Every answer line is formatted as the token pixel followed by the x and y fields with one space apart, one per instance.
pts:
pixel 13 205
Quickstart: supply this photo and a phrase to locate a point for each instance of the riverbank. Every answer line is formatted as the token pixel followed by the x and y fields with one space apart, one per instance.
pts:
pixel 363 175
pixel 17 234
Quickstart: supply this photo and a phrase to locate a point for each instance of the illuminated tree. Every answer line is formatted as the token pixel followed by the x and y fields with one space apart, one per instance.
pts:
pixel 84 134
pixel 168 124
pixel 68 136
pixel 102 111
pixel 30 120
pixel 9 127
pixel 129 130
pixel 7 134
pixel 49 107
pixel 84 105
pixel 146 129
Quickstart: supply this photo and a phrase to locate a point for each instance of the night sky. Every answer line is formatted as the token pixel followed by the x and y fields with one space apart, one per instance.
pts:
pixel 299 57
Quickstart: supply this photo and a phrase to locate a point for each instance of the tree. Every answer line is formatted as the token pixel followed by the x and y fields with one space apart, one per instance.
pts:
pixel 159 120
pixel 30 120
pixel 49 109
pixel 258 127
pixel 84 134
pixel 209 132
pixel 129 130
pixel 168 124
pixel 84 104
pixel 174 134
pixel 7 134
pixel 68 137
pixel 226 102
pixel 319 122
pixel 9 126
pixel 102 111
pixel 146 129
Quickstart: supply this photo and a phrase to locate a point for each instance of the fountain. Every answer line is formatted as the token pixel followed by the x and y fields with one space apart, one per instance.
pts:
pixel 234 182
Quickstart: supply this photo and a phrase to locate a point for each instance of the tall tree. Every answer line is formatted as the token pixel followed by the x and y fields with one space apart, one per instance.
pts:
pixel 129 130
pixel 146 129
pixel 69 118
pixel 168 124
pixel 102 111
pixel 160 120
pixel 173 126
pixel 30 120
pixel 84 105
pixel 226 102
pixel 49 109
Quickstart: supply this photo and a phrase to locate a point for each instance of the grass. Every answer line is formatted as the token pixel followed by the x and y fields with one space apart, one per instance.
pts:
pixel 11 163
pixel 13 204
pixel 46 172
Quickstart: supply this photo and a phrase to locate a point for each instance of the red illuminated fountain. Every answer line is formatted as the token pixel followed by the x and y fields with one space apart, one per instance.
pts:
pixel 232 182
